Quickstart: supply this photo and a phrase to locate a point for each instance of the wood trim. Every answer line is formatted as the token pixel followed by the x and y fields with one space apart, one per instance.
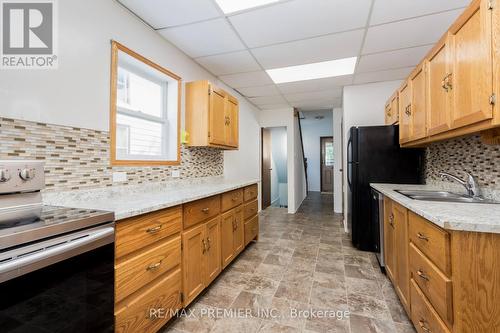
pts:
pixel 115 47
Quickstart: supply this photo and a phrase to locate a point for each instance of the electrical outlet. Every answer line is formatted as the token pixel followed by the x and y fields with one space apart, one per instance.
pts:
pixel 119 177
pixel 176 173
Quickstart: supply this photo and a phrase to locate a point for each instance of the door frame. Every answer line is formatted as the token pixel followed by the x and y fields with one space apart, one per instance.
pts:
pixel 321 138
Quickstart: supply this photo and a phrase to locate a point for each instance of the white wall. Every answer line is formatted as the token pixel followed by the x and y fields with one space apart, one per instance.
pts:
pixel 300 188
pixel 296 177
pixel 77 93
pixel 337 160
pixel 312 131
pixel 363 106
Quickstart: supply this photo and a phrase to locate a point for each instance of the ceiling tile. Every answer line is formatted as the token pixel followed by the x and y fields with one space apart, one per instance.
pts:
pixel 250 79
pixel 388 75
pixel 389 10
pixel 336 46
pixel 266 100
pixel 317 105
pixel 274 106
pixel 228 63
pixel 408 33
pixel 198 40
pixel 166 13
pixel 315 95
pixel 268 90
pixel 299 19
pixel 315 85
pixel 393 59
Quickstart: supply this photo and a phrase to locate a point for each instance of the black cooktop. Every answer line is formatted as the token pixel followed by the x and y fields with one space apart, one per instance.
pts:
pixel 33 222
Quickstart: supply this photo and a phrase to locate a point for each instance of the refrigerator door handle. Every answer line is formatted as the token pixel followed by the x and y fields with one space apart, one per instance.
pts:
pixel 349 162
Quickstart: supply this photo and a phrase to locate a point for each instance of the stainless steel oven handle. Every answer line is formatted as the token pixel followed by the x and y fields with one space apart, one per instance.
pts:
pixel 79 245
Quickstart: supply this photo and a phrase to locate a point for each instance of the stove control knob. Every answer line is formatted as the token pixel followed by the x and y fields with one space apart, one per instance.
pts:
pixel 27 174
pixel 4 175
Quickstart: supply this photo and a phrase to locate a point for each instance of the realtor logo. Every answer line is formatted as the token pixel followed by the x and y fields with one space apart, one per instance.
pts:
pixel 28 34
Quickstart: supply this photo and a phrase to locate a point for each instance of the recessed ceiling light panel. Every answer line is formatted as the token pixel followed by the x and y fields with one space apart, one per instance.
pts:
pixel 318 70
pixel 231 6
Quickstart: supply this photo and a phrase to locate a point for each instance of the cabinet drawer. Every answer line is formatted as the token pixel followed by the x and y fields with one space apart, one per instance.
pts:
pixel 231 199
pixel 145 266
pixel 134 233
pixel 424 317
pixel 250 192
pixel 201 210
pixel 250 209
pixel 251 229
pixel 432 241
pixel 139 314
pixel 434 284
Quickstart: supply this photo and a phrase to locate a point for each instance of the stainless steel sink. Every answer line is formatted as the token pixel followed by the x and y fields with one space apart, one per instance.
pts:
pixel 443 196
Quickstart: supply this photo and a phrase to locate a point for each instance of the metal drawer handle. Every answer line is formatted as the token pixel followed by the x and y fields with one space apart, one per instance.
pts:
pixel 422 237
pixel 236 198
pixel 204 246
pixel 154 230
pixel 391 219
pixel 205 210
pixel 421 323
pixel 152 267
pixel 422 275
pixel 208 242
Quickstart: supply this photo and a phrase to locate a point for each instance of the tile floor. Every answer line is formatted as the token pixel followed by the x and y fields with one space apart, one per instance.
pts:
pixel 302 262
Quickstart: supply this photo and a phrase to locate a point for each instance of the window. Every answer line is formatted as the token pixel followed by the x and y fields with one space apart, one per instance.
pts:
pixel 145 108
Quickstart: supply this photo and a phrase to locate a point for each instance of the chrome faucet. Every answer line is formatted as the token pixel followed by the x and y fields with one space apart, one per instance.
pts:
pixel 471 184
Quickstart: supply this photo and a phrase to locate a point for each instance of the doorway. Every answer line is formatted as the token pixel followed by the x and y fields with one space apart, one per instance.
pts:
pixel 326 165
pixel 274 167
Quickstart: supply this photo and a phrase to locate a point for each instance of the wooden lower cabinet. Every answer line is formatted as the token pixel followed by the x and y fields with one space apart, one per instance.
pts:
pixel 151 309
pixel 201 257
pixel 448 281
pixel 232 235
pixel 165 259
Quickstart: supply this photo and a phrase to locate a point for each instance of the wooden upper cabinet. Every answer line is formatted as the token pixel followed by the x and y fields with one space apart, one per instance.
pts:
pixel 438 92
pixel 417 110
pixel 212 116
pixel 471 79
pixel 232 125
pixel 216 117
pixel 405 112
pixel 392 110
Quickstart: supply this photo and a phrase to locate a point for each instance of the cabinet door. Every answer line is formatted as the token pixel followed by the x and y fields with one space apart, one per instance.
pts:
pixel 404 112
pixel 217 120
pixel 232 123
pixel 438 96
pixel 227 238
pixel 388 114
pixel 417 110
pixel 395 108
pixel 471 82
pixel 239 231
pixel 389 254
pixel 213 258
pixel 194 247
pixel 401 251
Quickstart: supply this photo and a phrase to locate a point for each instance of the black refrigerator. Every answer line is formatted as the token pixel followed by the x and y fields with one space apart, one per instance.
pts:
pixel 374 156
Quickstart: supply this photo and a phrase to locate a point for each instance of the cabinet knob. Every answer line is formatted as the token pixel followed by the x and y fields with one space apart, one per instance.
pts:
pixel 424 328
pixel 422 236
pixel 205 210
pixel 154 230
pixel 422 275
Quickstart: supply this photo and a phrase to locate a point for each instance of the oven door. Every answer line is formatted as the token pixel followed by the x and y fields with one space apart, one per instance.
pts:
pixel 65 284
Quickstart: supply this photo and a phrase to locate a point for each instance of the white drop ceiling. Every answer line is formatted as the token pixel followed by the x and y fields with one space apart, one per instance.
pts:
pixel 389 37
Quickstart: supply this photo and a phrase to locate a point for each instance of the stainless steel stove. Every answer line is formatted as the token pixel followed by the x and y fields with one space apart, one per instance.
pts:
pixel 49 255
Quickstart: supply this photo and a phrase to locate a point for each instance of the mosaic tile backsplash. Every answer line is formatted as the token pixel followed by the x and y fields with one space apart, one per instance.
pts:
pixel 77 158
pixel 464 154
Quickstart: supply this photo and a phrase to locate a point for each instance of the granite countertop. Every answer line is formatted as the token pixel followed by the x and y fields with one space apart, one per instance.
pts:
pixel 132 200
pixel 447 215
